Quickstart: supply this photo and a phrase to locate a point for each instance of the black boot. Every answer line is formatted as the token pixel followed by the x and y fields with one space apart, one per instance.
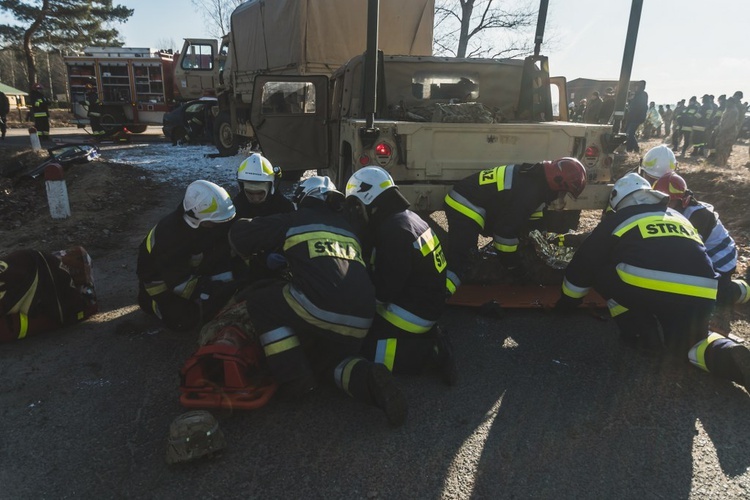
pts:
pixel 372 384
pixel 444 358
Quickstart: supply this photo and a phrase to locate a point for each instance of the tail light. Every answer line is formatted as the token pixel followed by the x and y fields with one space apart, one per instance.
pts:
pixel 383 153
pixel 592 152
pixel 591 156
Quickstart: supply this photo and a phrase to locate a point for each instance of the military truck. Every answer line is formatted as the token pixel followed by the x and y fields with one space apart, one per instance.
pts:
pixel 431 121
pixel 292 37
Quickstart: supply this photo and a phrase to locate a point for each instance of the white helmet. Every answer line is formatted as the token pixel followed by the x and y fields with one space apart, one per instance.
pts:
pixel 319 187
pixel 205 201
pixel 658 161
pixel 625 186
pixel 258 169
pixel 367 183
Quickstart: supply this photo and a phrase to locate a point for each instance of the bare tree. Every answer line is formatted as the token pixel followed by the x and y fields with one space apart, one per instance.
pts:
pixel 483 28
pixel 219 13
pixel 167 44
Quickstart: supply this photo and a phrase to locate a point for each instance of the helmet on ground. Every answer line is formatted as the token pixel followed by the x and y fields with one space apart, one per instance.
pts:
pixel 367 183
pixel 675 186
pixel 206 202
pixel 625 186
pixel 193 435
pixel 256 174
pixel 317 187
pixel 565 174
pixel 658 161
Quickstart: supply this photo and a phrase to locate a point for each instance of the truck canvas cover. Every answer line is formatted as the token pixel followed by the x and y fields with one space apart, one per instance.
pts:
pixel 317 36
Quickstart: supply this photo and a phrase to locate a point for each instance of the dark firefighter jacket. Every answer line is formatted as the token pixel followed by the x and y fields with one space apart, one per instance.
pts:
pixel 92 103
pixel 275 203
pixel 37 293
pixel 174 257
pixel 409 272
pixel 643 256
pixel 39 104
pixel 501 200
pixel 330 284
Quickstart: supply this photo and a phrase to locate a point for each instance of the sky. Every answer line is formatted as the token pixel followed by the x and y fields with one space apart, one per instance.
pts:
pixel 684 47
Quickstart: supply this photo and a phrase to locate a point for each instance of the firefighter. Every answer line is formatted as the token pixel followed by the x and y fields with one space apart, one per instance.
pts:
pixel 650 264
pixel 259 195
pixel 720 246
pixel 408 269
pixel 39 110
pixel 184 270
pixel 701 125
pixel 94 110
pixel 688 119
pixel 312 327
pixel 657 162
pixel 38 291
pixel 498 203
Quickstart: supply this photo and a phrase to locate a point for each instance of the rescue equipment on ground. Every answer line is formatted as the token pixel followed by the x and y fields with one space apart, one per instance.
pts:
pixel 229 371
pixel 193 435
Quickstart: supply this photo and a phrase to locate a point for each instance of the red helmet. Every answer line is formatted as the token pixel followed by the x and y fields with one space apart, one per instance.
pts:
pixel 675 186
pixel 566 174
pixel 37 86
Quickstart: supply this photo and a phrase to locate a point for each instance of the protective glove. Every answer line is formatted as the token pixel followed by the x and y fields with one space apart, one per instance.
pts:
pixel 275 261
pixel 566 305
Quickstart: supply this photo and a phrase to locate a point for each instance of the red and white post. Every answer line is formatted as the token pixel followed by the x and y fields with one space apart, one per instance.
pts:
pixel 34 138
pixel 57 191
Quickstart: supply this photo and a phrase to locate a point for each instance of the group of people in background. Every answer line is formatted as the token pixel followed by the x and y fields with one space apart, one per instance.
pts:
pixel 707 128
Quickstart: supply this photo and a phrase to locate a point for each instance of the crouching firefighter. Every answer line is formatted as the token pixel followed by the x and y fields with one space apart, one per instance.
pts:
pixel 184 267
pixel 650 264
pixel 408 268
pixel 312 327
pixel 499 203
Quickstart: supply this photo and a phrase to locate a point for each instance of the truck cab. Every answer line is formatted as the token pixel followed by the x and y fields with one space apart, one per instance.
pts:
pixel 199 67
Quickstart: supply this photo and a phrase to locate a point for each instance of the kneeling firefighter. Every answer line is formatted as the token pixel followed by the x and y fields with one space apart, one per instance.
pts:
pixel 650 264
pixel 408 268
pixel 313 326
pixel 184 268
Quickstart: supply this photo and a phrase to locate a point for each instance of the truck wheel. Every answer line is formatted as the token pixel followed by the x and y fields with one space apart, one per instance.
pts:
pixel 108 123
pixel 137 129
pixel 561 221
pixel 225 139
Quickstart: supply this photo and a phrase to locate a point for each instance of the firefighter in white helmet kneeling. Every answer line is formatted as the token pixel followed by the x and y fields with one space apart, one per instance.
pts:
pixel 408 268
pixel 184 267
pixel 650 264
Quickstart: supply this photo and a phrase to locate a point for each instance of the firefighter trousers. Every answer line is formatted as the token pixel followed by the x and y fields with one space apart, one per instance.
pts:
pixel 400 351
pixel 299 353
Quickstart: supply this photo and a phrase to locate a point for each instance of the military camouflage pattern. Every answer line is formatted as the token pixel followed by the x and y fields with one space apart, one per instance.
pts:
pixel 192 435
